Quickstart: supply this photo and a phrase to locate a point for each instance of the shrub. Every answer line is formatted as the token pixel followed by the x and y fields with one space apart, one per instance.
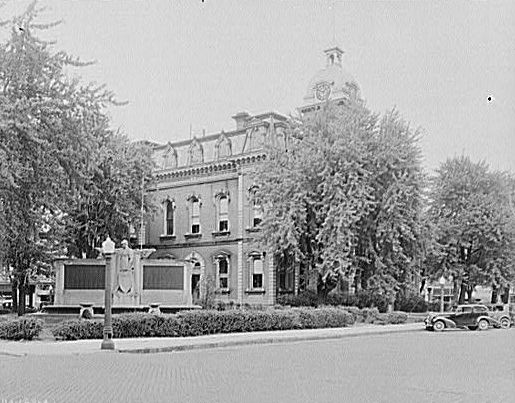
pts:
pixel 325 317
pixel 391 318
pixel 370 315
pixel 77 329
pixel 411 303
pixel 356 313
pixel 20 328
pixel 203 322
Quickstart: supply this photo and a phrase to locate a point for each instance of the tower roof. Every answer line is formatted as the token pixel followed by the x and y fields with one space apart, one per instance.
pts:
pixel 330 82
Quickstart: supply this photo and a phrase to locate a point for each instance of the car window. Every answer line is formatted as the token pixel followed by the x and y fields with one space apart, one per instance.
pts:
pixel 481 309
pixel 467 309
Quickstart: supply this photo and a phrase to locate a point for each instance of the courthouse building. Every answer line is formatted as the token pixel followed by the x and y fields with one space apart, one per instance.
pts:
pixel 203 191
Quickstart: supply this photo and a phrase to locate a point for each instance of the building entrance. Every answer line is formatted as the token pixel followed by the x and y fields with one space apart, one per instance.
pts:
pixel 195 288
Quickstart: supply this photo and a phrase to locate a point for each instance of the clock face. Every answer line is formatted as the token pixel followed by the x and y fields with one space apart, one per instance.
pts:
pixel 322 91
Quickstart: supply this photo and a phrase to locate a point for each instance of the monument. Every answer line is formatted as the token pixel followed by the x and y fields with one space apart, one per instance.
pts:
pixel 136 281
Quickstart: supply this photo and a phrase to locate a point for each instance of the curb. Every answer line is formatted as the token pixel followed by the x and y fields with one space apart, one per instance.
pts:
pixel 266 340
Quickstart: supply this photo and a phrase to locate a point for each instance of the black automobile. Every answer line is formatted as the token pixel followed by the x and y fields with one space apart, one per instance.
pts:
pixel 462 316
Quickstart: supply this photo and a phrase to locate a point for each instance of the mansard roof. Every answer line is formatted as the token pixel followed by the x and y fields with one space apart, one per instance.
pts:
pixel 247 137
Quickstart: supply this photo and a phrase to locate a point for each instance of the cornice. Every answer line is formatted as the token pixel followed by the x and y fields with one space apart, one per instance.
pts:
pixel 226 165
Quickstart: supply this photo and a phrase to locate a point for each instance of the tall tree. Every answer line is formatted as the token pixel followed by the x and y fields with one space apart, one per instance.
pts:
pixel 344 199
pixel 474 228
pixel 110 199
pixel 51 130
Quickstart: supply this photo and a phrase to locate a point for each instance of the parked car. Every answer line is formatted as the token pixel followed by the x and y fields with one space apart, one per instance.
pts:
pixel 501 312
pixel 462 316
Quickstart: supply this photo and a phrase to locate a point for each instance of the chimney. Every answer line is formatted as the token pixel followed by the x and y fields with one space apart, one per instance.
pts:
pixel 241 118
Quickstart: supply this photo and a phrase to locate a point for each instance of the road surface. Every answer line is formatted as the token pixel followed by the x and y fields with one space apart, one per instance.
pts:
pixel 453 366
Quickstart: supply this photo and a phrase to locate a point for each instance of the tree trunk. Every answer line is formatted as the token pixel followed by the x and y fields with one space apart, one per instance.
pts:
pixel 14 292
pixel 495 294
pixel 505 297
pixel 21 300
pixel 463 290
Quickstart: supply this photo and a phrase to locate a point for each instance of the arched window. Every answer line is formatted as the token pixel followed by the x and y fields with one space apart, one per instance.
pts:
pixel 170 158
pixel 256 209
pixel 223 147
pixel 256 272
pixel 223 217
pixel 195 216
pixel 257 136
pixel 222 271
pixel 257 214
pixel 196 153
pixel 170 219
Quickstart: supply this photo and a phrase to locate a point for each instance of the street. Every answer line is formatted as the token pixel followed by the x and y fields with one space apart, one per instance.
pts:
pixel 453 366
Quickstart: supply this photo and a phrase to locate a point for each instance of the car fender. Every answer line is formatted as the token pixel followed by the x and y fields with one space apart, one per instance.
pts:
pixel 489 319
pixel 447 321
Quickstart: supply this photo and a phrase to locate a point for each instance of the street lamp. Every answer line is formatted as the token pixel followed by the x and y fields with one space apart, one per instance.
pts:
pixel 442 284
pixel 107 251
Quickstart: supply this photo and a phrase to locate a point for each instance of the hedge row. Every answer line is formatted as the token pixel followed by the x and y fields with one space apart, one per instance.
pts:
pixel 197 323
pixel 20 328
pixel 362 299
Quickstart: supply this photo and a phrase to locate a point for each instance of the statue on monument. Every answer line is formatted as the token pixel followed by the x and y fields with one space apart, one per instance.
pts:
pixel 125 269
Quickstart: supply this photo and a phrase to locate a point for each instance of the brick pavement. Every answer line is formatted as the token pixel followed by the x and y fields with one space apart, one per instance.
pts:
pixel 455 366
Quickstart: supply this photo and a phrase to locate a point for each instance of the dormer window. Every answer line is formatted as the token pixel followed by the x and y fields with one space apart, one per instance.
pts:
pixel 196 153
pixel 170 158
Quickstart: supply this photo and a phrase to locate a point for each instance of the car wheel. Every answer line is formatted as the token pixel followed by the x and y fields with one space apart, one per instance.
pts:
pixel 505 323
pixel 438 326
pixel 483 324
pixel 472 327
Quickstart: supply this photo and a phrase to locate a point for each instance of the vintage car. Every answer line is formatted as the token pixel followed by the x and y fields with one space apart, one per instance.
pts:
pixel 501 312
pixel 465 316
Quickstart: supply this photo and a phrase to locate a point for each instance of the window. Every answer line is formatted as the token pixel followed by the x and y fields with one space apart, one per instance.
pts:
pixel 170 159
pixel 257 215
pixel 169 219
pixel 195 216
pixel 223 272
pixel 256 212
pixel 257 272
pixel 223 219
pixel 481 309
pixel 196 153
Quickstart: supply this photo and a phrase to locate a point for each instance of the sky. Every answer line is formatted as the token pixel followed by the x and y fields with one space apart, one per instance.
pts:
pixel 195 63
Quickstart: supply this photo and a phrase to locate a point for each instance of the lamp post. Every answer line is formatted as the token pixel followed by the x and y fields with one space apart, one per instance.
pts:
pixel 108 250
pixel 442 284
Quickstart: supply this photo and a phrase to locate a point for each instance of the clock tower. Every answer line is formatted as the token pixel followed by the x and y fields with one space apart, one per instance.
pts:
pixel 333 83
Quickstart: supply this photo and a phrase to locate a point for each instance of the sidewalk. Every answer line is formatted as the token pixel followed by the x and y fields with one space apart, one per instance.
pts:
pixel 167 344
